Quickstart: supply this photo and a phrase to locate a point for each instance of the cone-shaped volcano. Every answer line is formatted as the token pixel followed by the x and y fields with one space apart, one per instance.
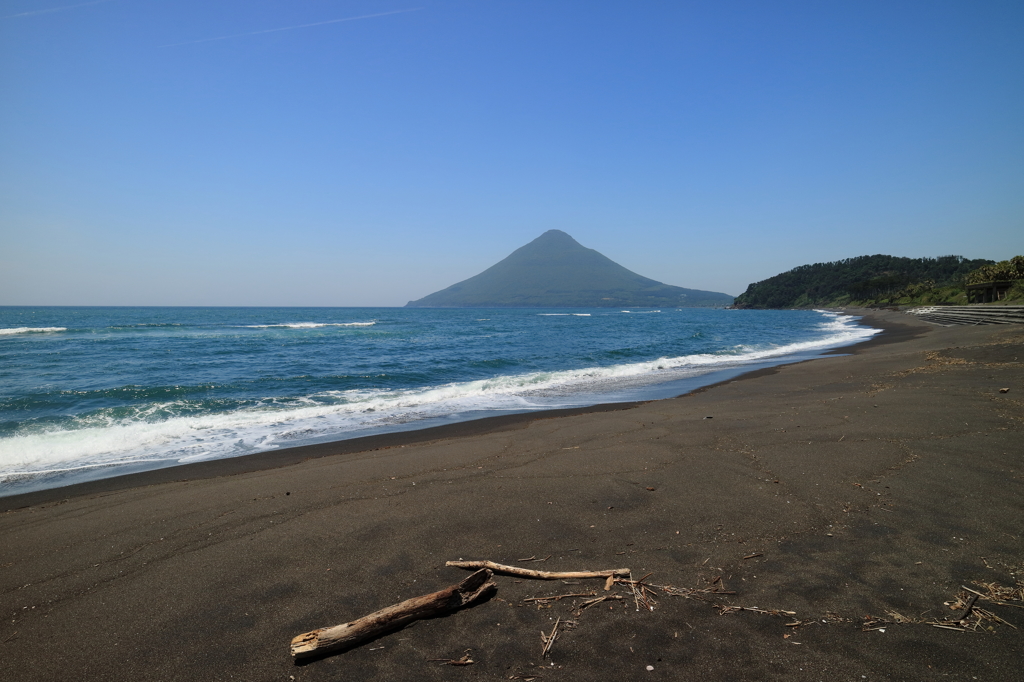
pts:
pixel 554 270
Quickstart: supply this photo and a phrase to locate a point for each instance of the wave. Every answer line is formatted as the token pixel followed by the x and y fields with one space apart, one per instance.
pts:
pixel 563 314
pixel 639 312
pixel 179 435
pixel 147 325
pixel 309 325
pixel 31 330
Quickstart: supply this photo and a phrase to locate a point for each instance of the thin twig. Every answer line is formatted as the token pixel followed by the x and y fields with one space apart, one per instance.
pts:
pixel 465 660
pixel 540 575
pixel 550 639
pixel 562 596
pixel 591 602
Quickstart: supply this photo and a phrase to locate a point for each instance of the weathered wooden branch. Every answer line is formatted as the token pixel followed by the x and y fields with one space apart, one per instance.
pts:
pixel 326 640
pixel 539 575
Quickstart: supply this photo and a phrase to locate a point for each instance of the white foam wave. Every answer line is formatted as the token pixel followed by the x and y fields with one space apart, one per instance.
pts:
pixel 563 314
pixel 336 413
pixel 309 325
pixel 31 330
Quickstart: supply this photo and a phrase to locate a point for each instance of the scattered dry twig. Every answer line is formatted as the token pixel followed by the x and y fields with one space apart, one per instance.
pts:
pixel 724 609
pixel 549 639
pixel 465 660
pixel 561 596
pixel 998 594
pixel 591 602
pixel 969 616
pixel 539 575
pixel 693 592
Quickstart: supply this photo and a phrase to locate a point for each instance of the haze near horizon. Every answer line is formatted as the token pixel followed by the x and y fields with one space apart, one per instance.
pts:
pixel 330 152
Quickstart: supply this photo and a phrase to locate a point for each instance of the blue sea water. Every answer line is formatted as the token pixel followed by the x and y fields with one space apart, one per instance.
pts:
pixel 88 393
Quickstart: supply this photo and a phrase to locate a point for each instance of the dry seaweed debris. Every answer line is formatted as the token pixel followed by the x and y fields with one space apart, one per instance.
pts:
pixel 967 614
pixel 705 594
pixel 642 592
pixel 998 594
pixel 970 617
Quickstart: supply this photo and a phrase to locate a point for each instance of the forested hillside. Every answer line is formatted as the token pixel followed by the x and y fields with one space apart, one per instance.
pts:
pixel 860 279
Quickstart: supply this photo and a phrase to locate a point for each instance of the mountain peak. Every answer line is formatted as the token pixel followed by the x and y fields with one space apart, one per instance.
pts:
pixel 555 235
pixel 554 270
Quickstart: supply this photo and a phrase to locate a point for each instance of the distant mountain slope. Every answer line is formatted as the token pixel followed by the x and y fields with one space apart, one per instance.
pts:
pixel 854 279
pixel 554 270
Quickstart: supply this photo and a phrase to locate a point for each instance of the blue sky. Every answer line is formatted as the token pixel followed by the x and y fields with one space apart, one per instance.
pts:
pixel 170 152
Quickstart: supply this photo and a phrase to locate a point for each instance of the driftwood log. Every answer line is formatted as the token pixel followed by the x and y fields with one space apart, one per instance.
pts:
pixel 327 640
pixel 540 575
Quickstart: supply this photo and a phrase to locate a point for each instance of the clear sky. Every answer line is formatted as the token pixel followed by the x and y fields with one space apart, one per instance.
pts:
pixel 369 152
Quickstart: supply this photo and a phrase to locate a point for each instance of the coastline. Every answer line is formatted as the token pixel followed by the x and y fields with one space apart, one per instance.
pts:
pixel 830 493
pixel 891 332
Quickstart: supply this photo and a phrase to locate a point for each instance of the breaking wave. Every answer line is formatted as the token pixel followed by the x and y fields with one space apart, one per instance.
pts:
pixel 31 330
pixel 308 325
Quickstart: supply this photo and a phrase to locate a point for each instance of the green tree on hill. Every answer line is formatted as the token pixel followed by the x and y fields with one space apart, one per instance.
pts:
pixel 860 279
pixel 1003 271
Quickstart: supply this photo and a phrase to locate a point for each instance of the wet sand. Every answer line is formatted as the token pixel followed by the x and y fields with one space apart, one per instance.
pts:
pixel 851 490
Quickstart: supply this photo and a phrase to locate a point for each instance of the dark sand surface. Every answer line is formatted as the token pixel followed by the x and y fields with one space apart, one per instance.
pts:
pixel 865 484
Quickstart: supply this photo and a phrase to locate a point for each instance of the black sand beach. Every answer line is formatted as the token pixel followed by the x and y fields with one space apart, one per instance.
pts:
pixel 843 500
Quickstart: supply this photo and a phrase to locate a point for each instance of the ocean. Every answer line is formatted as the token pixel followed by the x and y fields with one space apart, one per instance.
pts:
pixel 89 393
